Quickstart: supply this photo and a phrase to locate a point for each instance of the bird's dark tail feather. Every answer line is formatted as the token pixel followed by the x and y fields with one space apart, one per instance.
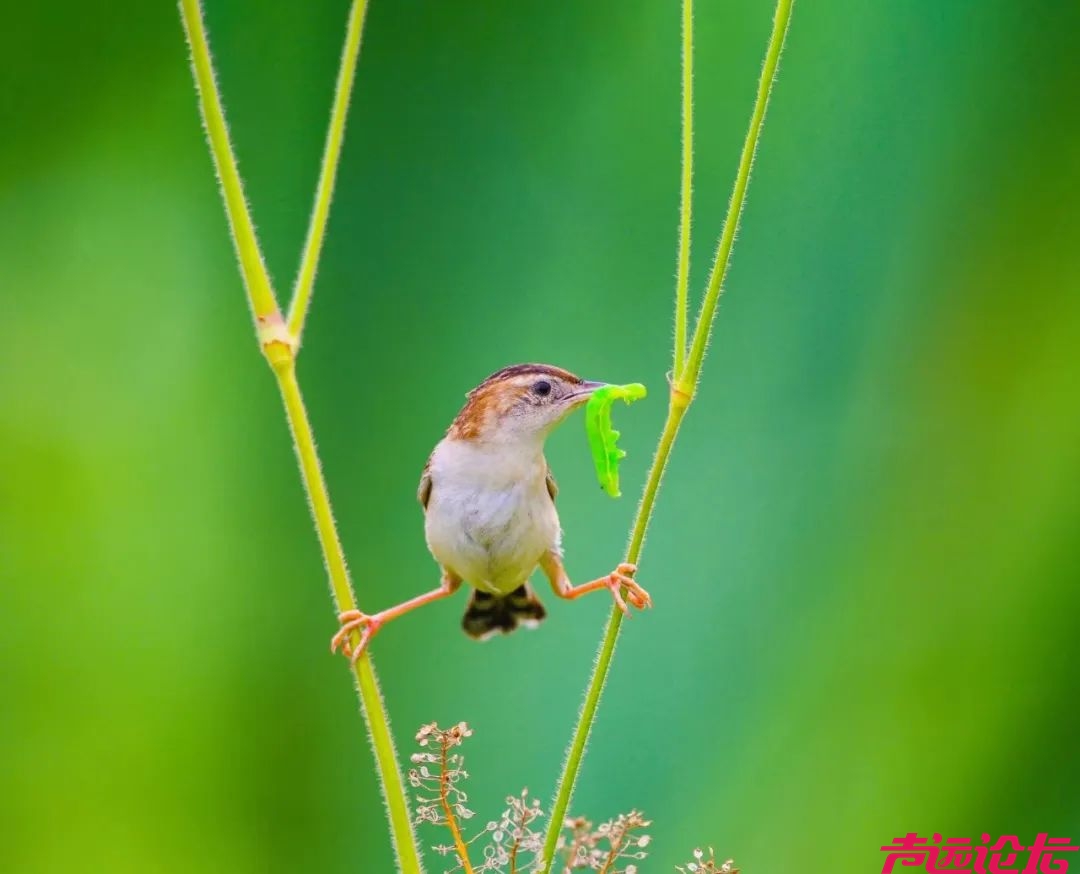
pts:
pixel 489 614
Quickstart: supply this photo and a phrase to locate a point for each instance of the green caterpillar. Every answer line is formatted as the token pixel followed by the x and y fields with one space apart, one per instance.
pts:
pixel 603 438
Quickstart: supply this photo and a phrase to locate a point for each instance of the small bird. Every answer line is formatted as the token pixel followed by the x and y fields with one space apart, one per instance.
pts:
pixel 489 509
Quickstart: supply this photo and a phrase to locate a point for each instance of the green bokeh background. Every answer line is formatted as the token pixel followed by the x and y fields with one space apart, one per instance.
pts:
pixel 864 559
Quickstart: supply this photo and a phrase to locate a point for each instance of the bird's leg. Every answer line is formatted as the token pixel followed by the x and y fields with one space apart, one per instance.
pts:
pixel 368 624
pixel 552 566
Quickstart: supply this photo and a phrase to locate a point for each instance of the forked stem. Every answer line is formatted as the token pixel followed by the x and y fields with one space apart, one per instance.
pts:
pixel 682 392
pixel 279 346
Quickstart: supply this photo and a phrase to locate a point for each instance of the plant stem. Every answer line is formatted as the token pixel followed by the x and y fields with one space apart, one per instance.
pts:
pixel 681 395
pixel 611 635
pixel 448 811
pixel 279 347
pixel 378 723
pixel 257 280
pixel 682 281
pixel 517 840
pixel 703 328
pixel 309 262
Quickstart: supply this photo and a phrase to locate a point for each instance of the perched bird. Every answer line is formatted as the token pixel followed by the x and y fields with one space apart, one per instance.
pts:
pixel 489 509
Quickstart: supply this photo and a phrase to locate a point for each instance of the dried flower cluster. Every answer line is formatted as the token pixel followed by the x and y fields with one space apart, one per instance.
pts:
pixel 440 799
pixel 613 847
pixel 443 799
pixel 702 865
pixel 511 844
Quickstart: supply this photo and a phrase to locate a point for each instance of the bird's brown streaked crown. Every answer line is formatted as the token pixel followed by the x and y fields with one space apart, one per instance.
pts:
pixel 525 370
pixel 497 393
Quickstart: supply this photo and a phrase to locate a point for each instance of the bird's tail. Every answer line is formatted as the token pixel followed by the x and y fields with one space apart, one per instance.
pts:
pixel 488 614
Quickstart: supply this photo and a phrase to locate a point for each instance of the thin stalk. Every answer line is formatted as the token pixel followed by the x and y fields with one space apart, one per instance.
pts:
pixel 681 395
pixel 575 753
pixel 682 280
pixel 279 347
pixel 448 811
pixel 703 329
pixel 324 191
pixel 517 841
pixel 371 701
pixel 256 278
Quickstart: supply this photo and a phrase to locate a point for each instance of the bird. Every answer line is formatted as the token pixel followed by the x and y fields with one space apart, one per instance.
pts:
pixel 490 521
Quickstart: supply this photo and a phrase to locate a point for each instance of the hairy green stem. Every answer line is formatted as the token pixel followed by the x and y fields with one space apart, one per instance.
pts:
pixel 252 267
pixel 324 191
pixel 279 346
pixel 682 392
pixel 371 702
pixel 682 279
pixel 688 380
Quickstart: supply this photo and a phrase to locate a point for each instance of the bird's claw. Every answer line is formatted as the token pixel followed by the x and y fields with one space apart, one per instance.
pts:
pixel 622 577
pixel 354 620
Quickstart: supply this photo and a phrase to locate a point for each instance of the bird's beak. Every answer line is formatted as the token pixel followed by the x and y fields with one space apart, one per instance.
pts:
pixel 584 391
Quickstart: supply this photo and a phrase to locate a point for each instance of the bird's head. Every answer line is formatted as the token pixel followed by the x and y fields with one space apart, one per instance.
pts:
pixel 521 404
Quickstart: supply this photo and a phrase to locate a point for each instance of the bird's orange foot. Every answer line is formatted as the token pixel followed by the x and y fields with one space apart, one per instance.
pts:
pixel 622 577
pixel 354 620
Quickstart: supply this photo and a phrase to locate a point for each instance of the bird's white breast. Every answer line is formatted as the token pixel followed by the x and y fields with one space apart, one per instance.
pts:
pixel 490 518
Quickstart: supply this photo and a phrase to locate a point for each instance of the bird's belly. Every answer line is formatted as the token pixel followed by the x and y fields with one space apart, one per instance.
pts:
pixel 491 539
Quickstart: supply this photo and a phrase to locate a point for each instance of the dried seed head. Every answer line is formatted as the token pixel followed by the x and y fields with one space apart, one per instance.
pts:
pixel 707 864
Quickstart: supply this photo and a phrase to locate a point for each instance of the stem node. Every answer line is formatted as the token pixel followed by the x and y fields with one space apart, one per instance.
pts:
pixel 277 343
pixel 681 393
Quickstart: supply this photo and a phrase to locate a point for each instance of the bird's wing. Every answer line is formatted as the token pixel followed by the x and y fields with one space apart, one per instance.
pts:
pixel 552 486
pixel 423 493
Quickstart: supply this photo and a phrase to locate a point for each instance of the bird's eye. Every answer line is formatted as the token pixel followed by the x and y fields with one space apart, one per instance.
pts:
pixel 542 388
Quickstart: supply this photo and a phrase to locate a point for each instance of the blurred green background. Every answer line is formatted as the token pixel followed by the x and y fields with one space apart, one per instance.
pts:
pixel 864 559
